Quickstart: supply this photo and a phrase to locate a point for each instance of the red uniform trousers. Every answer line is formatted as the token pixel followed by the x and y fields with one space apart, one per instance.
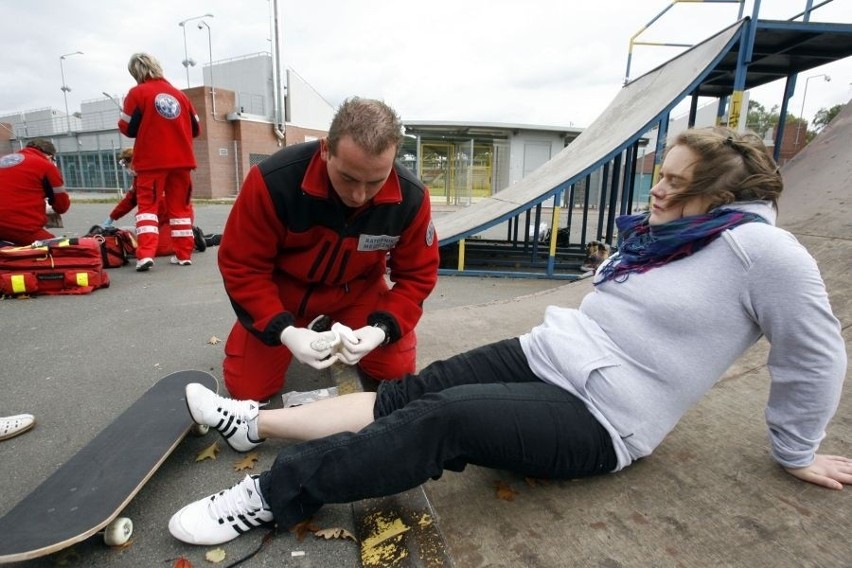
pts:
pixel 255 371
pixel 175 187
pixel 24 237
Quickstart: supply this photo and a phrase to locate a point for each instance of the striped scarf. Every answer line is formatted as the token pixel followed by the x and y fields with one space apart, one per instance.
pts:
pixel 645 246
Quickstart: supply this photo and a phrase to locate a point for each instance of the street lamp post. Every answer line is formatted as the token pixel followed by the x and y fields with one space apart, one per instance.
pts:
pixel 201 25
pixel 802 113
pixel 65 88
pixel 186 60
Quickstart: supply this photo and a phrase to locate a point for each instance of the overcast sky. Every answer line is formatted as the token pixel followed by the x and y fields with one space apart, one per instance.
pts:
pixel 543 62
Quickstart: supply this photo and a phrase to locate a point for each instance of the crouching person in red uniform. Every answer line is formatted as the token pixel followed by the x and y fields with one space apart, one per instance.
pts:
pixel 163 122
pixel 312 233
pixel 27 179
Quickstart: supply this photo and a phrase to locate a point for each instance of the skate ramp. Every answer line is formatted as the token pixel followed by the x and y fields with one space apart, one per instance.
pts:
pixel 637 106
pixel 817 192
pixel 816 205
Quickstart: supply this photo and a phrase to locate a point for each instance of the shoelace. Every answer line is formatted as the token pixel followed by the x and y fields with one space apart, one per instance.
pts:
pixel 232 504
pixel 238 409
pixel 233 414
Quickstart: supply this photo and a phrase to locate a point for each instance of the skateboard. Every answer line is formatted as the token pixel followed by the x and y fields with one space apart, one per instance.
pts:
pixel 87 493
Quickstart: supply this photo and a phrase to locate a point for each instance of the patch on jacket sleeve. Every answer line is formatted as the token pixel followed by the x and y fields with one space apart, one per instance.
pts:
pixel 367 243
pixel 430 233
pixel 11 160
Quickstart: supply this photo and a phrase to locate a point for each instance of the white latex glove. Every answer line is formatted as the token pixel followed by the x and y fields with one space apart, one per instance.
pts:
pixel 344 331
pixel 315 349
pixel 48 209
pixel 354 345
pixel 107 223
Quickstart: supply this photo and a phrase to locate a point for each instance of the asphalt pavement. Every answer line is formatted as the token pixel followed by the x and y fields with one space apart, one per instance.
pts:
pixel 76 362
pixel 709 496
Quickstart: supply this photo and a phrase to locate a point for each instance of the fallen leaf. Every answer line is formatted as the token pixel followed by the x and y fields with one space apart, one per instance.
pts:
pixel 215 556
pixel 505 491
pixel 302 529
pixel 384 546
pixel 182 562
pixel 335 532
pixel 214 340
pixel 208 453
pixel 246 462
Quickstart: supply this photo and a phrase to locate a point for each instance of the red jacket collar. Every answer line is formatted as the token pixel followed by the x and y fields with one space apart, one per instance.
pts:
pixel 317 184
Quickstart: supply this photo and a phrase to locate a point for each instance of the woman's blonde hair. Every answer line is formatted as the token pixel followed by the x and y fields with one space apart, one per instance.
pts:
pixel 143 66
pixel 731 167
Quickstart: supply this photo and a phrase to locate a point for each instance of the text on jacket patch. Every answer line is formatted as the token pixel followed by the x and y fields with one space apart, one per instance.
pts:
pixel 368 243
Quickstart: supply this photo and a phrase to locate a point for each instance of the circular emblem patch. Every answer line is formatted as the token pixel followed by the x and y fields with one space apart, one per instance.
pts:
pixel 430 234
pixel 10 160
pixel 167 106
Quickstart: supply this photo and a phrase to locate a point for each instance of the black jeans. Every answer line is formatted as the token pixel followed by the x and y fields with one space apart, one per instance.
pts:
pixel 484 407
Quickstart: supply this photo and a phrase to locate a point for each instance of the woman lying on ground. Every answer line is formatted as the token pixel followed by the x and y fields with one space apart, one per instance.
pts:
pixel 696 282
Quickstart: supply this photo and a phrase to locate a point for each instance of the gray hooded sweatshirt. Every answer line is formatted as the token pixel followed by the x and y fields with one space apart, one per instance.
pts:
pixel 641 352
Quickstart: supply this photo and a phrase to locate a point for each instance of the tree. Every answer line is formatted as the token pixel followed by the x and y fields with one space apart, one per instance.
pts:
pixel 761 121
pixel 824 116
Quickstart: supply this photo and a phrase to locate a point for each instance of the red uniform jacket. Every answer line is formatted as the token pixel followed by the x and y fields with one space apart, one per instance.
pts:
pixel 290 246
pixel 163 122
pixel 26 179
pixel 126 205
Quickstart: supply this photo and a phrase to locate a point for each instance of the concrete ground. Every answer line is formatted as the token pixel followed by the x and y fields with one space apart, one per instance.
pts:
pixel 76 362
pixel 709 496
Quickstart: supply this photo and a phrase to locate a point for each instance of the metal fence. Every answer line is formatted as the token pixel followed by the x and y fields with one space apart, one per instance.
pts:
pixel 87 148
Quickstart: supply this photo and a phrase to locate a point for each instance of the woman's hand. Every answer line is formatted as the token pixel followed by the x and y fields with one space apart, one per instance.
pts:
pixel 832 472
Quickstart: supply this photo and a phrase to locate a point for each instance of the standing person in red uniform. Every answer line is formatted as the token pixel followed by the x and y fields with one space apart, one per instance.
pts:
pixel 27 179
pixel 312 233
pixel 163 122
pixel 129 202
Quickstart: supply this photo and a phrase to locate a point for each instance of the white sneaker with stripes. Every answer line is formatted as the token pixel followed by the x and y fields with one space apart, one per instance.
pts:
pixel 236 420
pixel 222 517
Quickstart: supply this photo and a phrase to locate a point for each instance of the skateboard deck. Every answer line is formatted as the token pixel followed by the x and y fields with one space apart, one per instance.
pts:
pixel 88 491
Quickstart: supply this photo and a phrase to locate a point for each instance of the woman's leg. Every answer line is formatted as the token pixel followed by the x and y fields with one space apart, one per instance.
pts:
pixel 347 413
pixel 503 361
pixel 500 362
pixel 178 194
pixel 148 191
pixel 533 428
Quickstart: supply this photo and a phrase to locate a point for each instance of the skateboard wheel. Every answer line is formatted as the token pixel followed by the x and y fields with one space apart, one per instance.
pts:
pixel 118 532
pixel 200 429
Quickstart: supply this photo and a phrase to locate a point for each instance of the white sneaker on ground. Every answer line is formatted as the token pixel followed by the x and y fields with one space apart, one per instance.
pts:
pixel 179 262
pixel 236 420
pixel 143 264
pixel 222 517
pixel 11 426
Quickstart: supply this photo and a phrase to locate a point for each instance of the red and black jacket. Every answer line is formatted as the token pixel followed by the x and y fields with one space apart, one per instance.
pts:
pixel 290 246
